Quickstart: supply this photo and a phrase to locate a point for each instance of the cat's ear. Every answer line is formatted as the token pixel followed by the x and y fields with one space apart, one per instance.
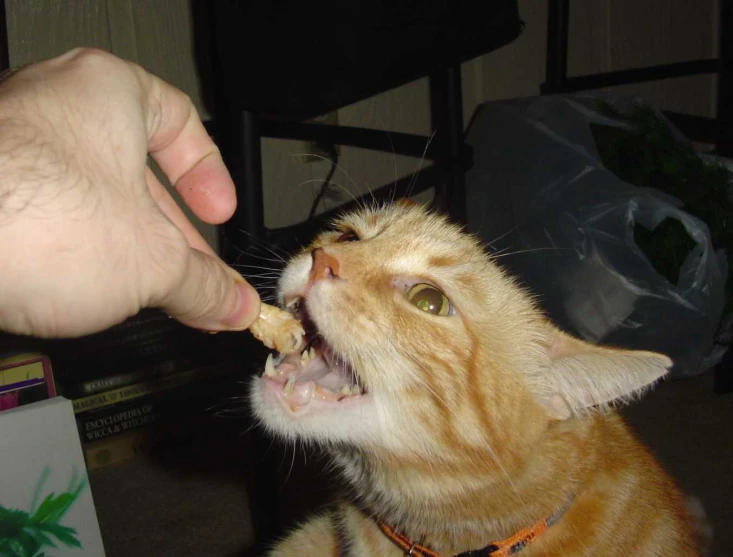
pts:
pixel 583 376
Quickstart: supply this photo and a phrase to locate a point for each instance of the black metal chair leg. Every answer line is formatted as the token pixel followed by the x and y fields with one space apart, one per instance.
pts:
pixel 447 119
pixel 725 82
pixel 556 60
pixel 253 207
pixel 242 152
pixel 238 137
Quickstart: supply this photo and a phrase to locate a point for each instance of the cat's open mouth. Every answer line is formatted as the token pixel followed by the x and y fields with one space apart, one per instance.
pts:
pixel 314 374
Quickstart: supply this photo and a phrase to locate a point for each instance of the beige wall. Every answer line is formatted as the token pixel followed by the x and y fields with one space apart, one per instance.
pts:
pixel 604 35
pixel 155 33
pixel 648 32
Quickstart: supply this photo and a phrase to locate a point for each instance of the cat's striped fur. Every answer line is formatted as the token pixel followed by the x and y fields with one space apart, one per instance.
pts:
pixel 473 425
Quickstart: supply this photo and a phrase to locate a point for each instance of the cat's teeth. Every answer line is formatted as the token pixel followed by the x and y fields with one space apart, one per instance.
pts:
pixel 307 356
pixel 290 386
pixel 355 390
pixel 297 339
pixel 345 390
pixel 270 366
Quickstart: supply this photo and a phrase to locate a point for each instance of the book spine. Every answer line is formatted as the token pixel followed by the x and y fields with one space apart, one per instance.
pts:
pixel 120 419
pixel 127 445
pixel 93 386
pixel 187 400
pixel 117 449
pixel 143 388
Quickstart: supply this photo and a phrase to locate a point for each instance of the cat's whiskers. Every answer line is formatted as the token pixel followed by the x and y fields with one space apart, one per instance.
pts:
pixel 292 460
pixel 273 287
pixel 383 125
pixel 302 448
pixel 413 180
pixel 268 294
pixel 271 274
pixel 259 277
pixel 258 244
pixel 499 255
pixel 264 288
pixel 268 259
pixel 260 267
pixel 277 258
pixel 504 235
pixel 265 276
pixel 340 169
pixel 336 184
pixel 356 200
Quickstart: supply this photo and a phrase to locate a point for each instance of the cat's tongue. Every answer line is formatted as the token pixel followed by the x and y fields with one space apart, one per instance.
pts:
pixel 299 379
pixel 301 367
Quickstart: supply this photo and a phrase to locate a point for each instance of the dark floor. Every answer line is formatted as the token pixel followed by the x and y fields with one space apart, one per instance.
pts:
pixel 188 500
pixel 193 500
pixel 690 429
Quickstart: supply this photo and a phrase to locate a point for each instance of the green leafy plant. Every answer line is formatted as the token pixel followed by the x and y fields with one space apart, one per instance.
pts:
pixel 649 156
pixel 29 533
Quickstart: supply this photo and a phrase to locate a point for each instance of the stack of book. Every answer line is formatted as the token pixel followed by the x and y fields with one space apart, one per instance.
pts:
pixel 145 382
pixel 120 415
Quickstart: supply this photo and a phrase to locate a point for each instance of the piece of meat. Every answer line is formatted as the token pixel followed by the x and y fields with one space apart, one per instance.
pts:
pixel 276 328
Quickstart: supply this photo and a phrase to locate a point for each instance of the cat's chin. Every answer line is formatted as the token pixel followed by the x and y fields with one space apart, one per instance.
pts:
pixel 314 400
pixel 320 421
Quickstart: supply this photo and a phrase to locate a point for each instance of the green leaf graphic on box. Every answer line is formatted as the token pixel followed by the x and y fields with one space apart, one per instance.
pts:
pixel 64 534
pixel 24 534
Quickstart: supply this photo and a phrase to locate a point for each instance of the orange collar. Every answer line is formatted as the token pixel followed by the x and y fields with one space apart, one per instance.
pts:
pixel 509 546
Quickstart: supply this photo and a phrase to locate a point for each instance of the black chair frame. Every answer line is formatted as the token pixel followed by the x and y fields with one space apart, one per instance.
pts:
pixel 239 136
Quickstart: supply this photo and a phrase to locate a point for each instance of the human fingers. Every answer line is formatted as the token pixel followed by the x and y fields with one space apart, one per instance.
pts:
pixel 179 143
pixel 211 296
pixel 175 214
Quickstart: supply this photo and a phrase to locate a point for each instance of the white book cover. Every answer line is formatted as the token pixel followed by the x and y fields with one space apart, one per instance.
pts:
pixel 46 506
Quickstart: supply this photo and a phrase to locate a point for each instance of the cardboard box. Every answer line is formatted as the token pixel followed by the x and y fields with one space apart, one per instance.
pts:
pixel 44 489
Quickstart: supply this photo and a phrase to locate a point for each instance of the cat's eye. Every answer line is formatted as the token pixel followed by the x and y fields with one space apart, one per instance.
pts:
pixel 348 236
pixel 429 299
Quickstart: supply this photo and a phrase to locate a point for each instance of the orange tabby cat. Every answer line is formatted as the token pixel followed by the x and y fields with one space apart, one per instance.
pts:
pixel 465 423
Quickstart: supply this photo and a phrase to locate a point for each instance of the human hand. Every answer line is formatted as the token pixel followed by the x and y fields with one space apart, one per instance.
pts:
pixel 88 235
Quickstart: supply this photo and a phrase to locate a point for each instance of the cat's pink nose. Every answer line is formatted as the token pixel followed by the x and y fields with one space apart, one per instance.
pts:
pixel 324 266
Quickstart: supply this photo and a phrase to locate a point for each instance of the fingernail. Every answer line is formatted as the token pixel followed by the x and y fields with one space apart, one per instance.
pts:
pixel 248 307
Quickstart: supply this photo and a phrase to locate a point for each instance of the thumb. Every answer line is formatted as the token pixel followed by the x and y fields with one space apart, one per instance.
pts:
pixel 212 296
